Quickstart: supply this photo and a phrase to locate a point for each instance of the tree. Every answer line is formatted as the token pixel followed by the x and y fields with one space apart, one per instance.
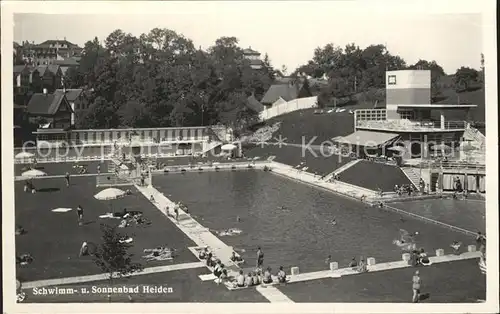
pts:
pixel 464 78
pixel 112 255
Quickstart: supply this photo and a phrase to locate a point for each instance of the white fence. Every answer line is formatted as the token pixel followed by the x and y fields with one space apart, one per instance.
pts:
pixel 292 105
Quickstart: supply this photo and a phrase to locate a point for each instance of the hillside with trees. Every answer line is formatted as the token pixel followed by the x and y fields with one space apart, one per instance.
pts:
pixel 357 76
pixel 162 79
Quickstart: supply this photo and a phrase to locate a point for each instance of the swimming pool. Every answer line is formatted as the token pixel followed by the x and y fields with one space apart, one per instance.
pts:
pixel 302 235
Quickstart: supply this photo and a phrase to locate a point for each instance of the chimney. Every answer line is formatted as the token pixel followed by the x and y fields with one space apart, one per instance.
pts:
pixel 45 91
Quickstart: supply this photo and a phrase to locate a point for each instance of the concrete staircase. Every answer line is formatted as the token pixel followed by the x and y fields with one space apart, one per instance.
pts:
pixel 472 134
pixel 413 175
pixel 342 169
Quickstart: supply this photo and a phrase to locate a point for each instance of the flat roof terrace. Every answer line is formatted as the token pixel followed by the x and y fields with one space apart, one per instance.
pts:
pixel 407 126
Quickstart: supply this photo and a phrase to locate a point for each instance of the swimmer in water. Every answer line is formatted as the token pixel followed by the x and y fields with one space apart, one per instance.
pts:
pixel 238 219
pixel 334 221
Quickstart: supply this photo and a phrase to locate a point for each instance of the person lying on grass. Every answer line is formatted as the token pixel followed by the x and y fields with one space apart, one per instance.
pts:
pixel 159 254
pixel 19 230
pixel 24 259
pixel 88 249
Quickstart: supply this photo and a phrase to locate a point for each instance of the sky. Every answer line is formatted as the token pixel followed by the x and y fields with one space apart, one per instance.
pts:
pixel 287 31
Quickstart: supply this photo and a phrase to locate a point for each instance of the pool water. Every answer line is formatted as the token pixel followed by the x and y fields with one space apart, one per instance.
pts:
pixel 302 234
pixel 467 214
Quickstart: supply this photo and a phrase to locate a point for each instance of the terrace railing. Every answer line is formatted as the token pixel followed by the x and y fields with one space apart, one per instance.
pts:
pixel 450 166
pixel 410 125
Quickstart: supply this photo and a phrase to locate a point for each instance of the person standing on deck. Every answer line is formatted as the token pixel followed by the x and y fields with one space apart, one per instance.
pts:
pixel 260 257
pixel 66 176
pixel 98 169
pixel 416 286
pixel 79 212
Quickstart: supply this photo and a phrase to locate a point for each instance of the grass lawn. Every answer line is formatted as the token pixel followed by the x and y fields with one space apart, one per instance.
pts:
pixel 54 239
pixel 302 234
pixel 186 286
pixel 302 126
pixel 292 155
pixel 374 176
pixel 444 283
pixel 467 214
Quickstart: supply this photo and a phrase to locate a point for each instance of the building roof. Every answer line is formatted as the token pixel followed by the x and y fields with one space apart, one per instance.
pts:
pixel 250 51
pixel 367 138
pixel 66 62
pixel 48 43
pixel 19 68
pixel 439 106
pixel 71 94
pixel 253 104
pixel 285 91
pixel 41 69
pixel 53 68
pixel 45 104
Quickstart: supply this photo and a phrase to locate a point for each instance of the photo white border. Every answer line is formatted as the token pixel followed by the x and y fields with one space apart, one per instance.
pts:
pixel 487 8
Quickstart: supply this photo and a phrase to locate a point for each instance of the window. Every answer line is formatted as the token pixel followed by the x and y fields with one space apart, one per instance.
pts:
pixel 391 80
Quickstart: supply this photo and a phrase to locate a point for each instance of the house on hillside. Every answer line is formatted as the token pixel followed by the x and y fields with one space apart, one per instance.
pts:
pixel 242 114
pixel 49 51
pixel 67 63
pixel 254 57
pixel 75 100
pixel 281 93
pixel 51 76
pixel 21 79
pixel 51 110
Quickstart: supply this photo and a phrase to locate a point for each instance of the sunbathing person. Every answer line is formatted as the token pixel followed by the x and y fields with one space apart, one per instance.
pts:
pixel 353 263
pixel 159 254
pixel 24 259
pixel 88 248
pixel 237 259
pixel 255 279
pixel 218 268
pixel 362 268
pixel 203 253
pixel 423 259
pixel 456 247
pixel 267 276
pixel 249 280
pixel 19 230
pixel 222 276
pixel 240 280
pixel 281 275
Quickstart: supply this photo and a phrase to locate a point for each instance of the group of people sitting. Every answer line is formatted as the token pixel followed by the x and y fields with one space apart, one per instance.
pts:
pixel 255 278
pixel 129 217
pixel 419 258
pixel 407 189
pixel 359 267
